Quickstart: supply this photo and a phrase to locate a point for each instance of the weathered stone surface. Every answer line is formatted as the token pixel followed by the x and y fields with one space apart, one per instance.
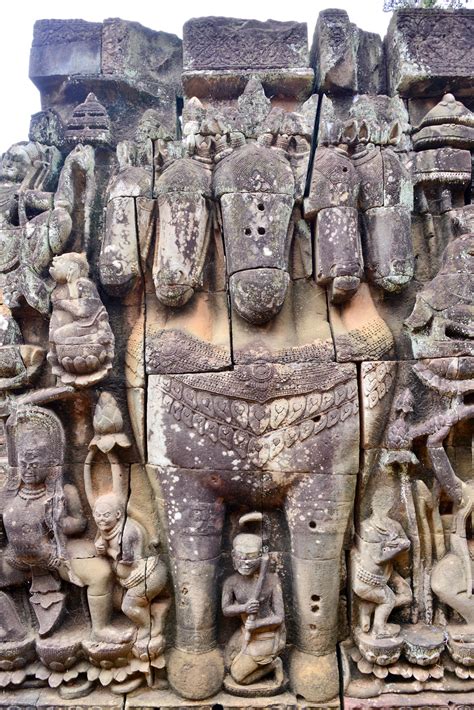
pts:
pixel 195 339
pixel 359 330
pixel 346 59
pixel 62 47
pixel 251 440
pixel 70 59
pixel 221 55
pixel 80 337
pixel 416 403
pixel 430 52
pixel 385 119
pixel 143 55
pixel 441 321
pixel 423 701
pixel 449 123
pixel 46 127
pixel 228 43
pixel 266 425
pixel 293 335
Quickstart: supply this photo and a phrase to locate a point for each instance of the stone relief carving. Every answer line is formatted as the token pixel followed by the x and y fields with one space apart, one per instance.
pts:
pixel 254 594
pixel 242 476
pixel 379 587
pixel 39 514
pixel 123 540
pixel 32 228
pixel 81 340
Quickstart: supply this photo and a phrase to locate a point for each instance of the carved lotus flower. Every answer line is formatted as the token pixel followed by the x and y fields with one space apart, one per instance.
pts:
pixel 108 425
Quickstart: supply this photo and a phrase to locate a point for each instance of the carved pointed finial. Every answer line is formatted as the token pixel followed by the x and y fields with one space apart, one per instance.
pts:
pixel 89 123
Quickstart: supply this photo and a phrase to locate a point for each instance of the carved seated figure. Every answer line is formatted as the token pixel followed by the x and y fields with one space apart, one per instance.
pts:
pixel 452 576
pixel 379 588
pixel 141 574
pixel 40 514
pixel 81 340
pixel 254 593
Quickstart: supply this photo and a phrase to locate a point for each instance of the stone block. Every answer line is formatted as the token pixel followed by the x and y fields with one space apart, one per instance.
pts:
pixel 371 65
pixel 430 52
pixel 130 68
pixel 64 47
pixel 345 58
pixel 334 52
pixel 229 43
pixel 141 54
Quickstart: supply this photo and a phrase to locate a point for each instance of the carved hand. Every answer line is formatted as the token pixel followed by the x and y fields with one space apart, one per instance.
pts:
pixel 54 562
pixel 252 607
pixel 100 547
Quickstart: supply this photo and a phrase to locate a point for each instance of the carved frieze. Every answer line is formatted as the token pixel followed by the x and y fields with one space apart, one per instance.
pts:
pixel 236 368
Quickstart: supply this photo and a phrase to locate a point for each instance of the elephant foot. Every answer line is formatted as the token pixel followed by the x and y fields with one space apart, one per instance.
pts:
pixel 195 675
pixel 315 678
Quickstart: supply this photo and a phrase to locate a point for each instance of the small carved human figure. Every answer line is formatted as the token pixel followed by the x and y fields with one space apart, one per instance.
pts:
pixel 138 569
pixel 139 572
pixel 378 586
pixel 81 340
pixel 254 593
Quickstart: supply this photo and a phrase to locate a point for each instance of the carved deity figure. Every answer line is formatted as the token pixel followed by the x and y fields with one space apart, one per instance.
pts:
pixel 81 340
pixel 254 593
pixel 37 518
pixel 378 586
pixel 32 227
pixel 40 513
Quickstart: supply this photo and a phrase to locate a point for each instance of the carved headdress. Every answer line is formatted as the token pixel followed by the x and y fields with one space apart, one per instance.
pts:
pixel 32 426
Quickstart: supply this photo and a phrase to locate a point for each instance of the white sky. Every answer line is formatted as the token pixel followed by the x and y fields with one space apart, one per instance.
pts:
pixel 21 98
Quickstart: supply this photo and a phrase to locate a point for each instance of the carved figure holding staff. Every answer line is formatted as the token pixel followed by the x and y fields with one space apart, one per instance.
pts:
pixel 254 593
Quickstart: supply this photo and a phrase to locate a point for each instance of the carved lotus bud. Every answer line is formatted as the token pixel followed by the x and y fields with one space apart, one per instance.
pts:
pixel 108 425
